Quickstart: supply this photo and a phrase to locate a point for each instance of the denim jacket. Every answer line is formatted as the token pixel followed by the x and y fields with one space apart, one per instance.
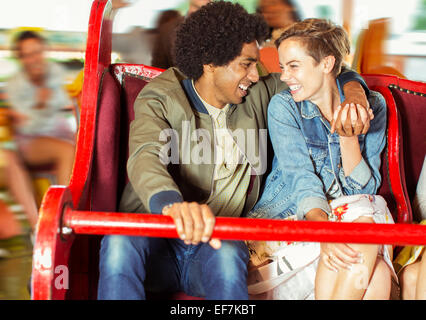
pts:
pixel 306 169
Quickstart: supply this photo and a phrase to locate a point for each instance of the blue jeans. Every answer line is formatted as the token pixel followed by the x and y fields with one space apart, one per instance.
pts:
pixel 129 265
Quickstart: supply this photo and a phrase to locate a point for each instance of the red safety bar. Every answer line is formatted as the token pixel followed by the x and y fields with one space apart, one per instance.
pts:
pixel 151 225
pixel 66 214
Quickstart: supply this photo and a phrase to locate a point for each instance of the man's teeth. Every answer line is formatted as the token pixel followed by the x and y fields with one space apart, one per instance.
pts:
pixel 242 87
pixel 294 87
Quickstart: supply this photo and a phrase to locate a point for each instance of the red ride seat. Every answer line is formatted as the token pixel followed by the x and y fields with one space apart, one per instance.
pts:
pixel 410 98
pixel 69 223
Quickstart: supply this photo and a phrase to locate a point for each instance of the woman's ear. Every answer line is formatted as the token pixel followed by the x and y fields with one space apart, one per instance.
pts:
pixel 328 63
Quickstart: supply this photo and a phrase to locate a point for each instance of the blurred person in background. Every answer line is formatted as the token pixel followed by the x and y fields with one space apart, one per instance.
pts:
pixel 162 56
pixel 42 133
pixel 118 4
pixel 279 14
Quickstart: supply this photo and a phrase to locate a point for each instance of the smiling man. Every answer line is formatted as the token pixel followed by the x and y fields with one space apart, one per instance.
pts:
pixel 212 109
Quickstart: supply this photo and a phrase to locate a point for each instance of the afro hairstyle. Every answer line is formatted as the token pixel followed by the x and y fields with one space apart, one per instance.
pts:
pixel 215 35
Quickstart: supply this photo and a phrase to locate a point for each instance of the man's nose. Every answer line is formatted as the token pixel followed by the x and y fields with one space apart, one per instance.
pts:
pixel 253 74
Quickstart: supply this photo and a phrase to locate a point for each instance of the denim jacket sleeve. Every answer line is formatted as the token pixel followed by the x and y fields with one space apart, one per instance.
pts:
pixel 293 157
pixel 365 178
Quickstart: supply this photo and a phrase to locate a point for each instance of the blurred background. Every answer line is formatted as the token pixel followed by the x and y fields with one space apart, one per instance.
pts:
pixel 387 36
pixel 64 23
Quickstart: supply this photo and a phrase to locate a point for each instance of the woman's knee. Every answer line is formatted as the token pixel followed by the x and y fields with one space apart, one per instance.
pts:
pixel 12 159
pixel 409 274
pixel 69 150
pixel 383 269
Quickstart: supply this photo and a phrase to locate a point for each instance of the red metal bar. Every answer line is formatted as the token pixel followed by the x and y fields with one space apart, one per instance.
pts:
pixel 90 222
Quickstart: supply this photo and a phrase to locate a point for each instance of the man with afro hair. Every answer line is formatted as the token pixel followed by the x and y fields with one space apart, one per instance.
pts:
pixel 197 150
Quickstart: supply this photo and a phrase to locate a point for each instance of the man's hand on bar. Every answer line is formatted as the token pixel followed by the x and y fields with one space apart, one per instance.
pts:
pixel 194 222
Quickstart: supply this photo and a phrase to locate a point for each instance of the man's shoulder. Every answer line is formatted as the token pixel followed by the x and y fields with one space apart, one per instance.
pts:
pixel 271 83
pixel 166 83
pixel 270 78
pixel 166 89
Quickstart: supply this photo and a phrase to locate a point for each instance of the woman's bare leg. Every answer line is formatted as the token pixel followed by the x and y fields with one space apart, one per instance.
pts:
pixel 350 284
pixel 9 226
pixel 20 185
pixel 379 287
pixel 408 280
pixel 421 280
pixel 325 281
pixel 47 150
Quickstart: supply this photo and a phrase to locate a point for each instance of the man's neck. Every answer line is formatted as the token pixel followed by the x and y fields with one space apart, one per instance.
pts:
pixel 203 88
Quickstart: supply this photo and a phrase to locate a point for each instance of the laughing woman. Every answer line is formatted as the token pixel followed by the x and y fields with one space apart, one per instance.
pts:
pixel 322 175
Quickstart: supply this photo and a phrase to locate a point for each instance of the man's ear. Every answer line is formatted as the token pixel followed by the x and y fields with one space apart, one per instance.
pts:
pixel 208 68
pixel 328 63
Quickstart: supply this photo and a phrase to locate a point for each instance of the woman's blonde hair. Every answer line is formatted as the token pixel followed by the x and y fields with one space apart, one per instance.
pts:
pixel 321 38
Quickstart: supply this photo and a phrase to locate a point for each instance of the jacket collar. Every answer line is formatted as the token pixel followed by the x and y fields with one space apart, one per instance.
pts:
pixel 310 110
pixel 195 101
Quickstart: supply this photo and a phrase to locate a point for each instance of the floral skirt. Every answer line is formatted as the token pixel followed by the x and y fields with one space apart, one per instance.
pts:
pixel 287 270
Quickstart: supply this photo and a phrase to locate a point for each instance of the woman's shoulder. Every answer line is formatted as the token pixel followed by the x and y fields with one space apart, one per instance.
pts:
pixel 282 103
pixel 376 100
pixel 283 98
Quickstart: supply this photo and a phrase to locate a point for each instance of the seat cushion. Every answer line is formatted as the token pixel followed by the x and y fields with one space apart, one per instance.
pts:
pixel 131 86
pixel 107 145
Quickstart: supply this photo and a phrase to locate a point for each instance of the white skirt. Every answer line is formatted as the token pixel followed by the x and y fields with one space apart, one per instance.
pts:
pixel 286 270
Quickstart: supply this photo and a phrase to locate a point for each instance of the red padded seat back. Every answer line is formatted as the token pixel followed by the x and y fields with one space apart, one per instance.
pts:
pixel 412 106
pixel 131 85
pixel 114 114
pixel 105 164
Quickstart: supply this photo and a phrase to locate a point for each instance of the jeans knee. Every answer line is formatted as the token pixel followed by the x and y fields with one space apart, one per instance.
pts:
pixel 231 259
pixel 119 252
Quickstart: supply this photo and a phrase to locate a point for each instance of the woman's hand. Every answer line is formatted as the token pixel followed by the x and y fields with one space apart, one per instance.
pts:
pixel 353 116
pixel 339 256
pixel 335 255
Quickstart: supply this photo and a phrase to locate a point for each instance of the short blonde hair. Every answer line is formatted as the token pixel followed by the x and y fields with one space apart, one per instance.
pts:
pixel 321 38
